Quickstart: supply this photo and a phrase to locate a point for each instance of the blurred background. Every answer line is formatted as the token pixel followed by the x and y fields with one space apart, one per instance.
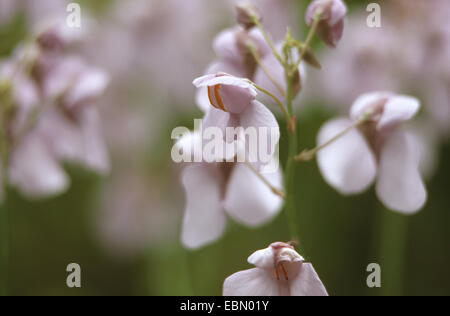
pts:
pixel 124 228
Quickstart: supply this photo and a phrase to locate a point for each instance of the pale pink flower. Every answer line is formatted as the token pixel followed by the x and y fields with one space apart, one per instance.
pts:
pixel 215 190
pixel 233 104
pixel 378 150
pixel 280 271
pixel 331 25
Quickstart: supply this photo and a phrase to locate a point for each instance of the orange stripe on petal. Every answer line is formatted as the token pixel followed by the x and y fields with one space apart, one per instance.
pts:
pixel 219 97
pixel 211 97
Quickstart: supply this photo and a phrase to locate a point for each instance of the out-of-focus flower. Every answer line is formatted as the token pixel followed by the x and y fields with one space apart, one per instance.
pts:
pixel 35 11
pixel 246 13
pixel 277 72
pixel 377 149
pixel 331 14
pixel 411 54
pixel 280 271
pixel 51 116
pixel 214 190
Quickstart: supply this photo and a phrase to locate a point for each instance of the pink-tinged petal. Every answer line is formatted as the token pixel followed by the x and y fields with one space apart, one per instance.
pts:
pixel 398 109
pixel 264 258
pixel 307 283
pixel 248 200
pixel 227 93
pixel 226 47
pixel 368 102
pixel 252 282
pixel 89 86
pixel 34 171
pixel 258 116
pixel 224 79
pixel 202 98
pixel 400 186
pixel 204 220
pixel 95 154
pixel 338 12
pixel 347 164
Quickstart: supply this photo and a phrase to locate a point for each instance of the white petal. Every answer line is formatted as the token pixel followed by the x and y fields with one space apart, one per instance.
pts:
pixel 366 101
pixel 248 200
pixel 204 220
pixel 35 171
pixel 398 109
pixel 400 186
pixel 260 117
pixel 264 258
pixel 202 98
pixel 253 282
pixel 307 283
pixel 348 164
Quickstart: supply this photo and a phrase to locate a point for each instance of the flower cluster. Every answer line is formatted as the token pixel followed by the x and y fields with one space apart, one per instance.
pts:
pixel 48 113
pixel 352 152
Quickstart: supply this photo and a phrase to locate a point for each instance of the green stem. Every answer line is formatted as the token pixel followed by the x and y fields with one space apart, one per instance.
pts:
pixel 308 41
pixel 280 104
pixel 290 165
pixel 393 243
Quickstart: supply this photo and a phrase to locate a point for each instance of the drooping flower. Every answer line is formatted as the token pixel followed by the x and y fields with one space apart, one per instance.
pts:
pixel 280 271
pixel 332 14
pixel 233 104
pixel 215 190
pixel 377 150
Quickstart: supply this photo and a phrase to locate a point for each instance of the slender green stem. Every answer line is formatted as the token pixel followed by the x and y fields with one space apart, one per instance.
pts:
pixel 267 71
pixel 275 190
pixel 268 40
pixel 308 155
pixel 392 248
pixel 280 104
pixel 290 166
pixel 309 38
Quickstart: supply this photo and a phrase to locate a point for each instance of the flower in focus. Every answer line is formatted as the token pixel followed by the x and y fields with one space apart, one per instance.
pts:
pixel 280 271
pixel 234 104
pixel 331 25
pixel 214 190
pixel 378 149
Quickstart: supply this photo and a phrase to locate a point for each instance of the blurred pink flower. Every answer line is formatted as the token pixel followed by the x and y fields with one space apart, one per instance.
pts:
pixel 53 118
pixel 377 149
pixel 214 190
pixel 280 271
pixel 332 15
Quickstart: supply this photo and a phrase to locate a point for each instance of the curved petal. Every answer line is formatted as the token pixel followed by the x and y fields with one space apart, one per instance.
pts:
pixel 366 101
pixel 267 131
pixel 204 220
pixel 248 200
pixel 400 186
pixel 307 283
pixel 398 109
pixel 264 258
pixel 201 97
pixel 252 282
pixel 347 164
pixel 35 172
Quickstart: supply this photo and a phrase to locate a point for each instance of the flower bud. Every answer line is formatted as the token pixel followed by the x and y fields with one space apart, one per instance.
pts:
pixel 246 14
pixel 331 14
